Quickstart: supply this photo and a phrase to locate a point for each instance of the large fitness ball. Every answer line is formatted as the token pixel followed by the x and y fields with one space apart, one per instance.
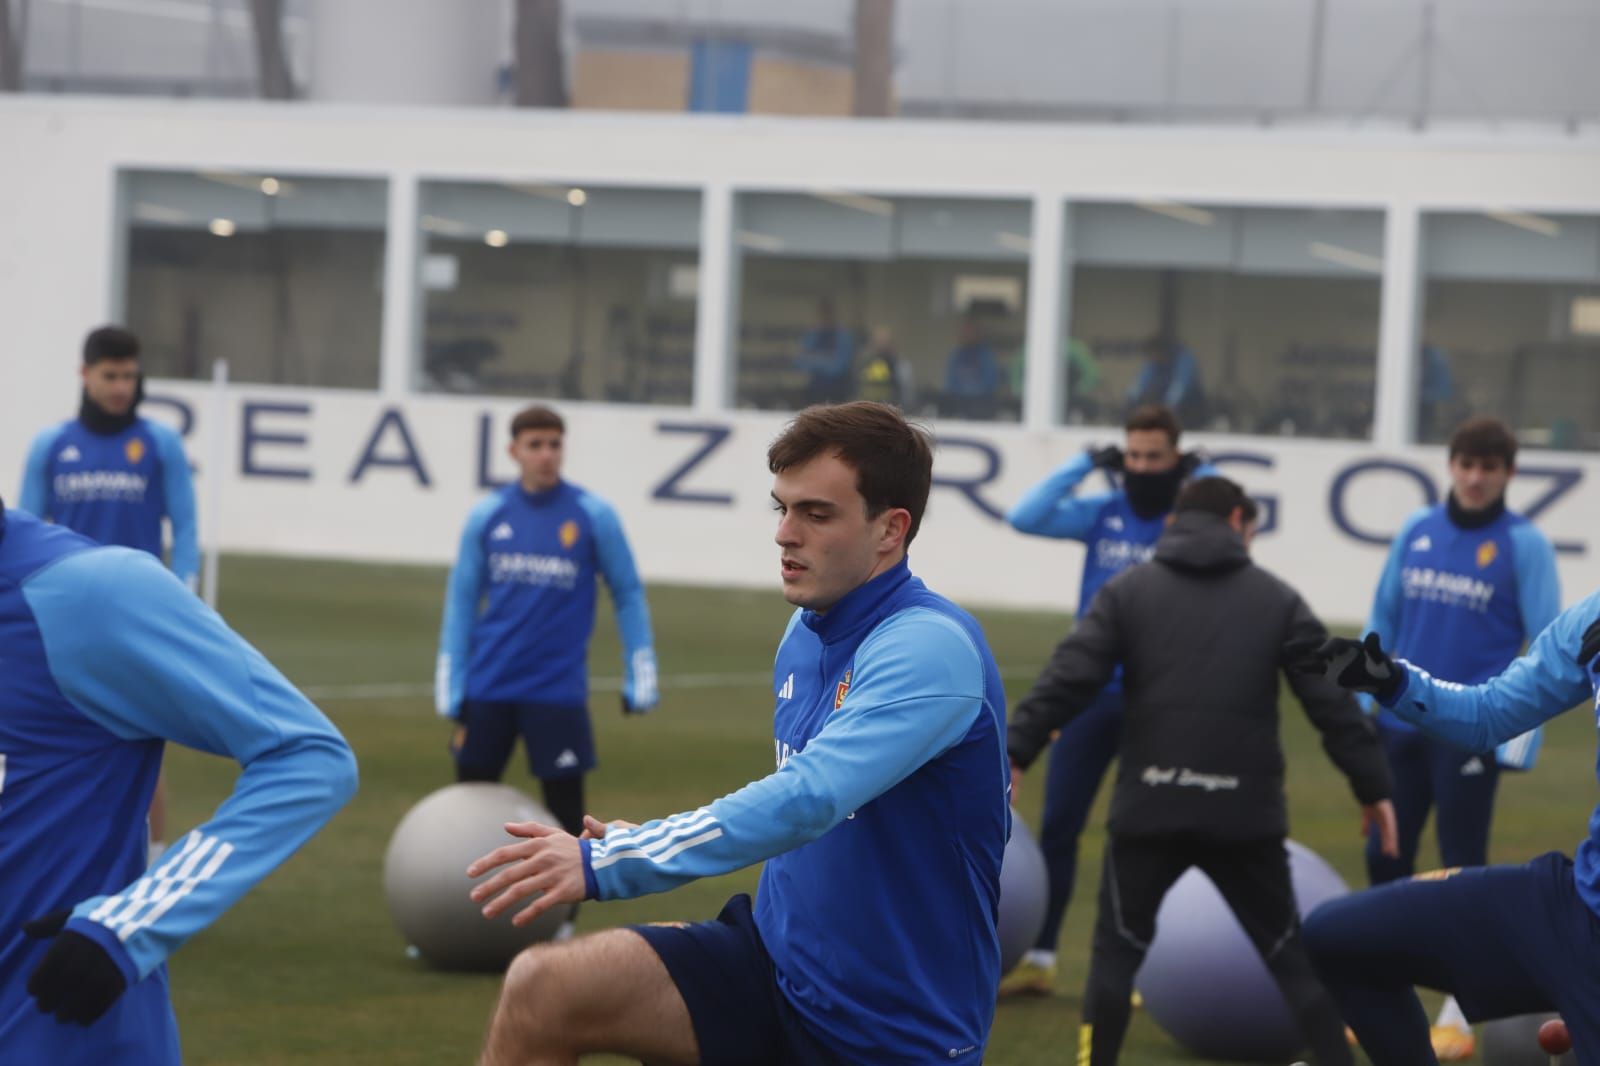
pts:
pixel 425 880
pixel 1203 981
pixel 1515 1042
pixel 1024 893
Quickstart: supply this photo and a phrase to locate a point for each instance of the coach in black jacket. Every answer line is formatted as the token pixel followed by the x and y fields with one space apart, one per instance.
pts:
pixel 1202 635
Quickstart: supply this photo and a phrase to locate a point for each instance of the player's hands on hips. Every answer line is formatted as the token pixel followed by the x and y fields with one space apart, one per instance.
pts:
pixel 1380 817
pixel 639 691
pixel 1359 665
pixel 546 865
pixel 1107 458
pixel 76 981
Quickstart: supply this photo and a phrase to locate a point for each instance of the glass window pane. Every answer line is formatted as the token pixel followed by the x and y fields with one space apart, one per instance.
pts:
pixel 918 301
pixel 1258 320
pixel 554 290
pixel 280 274
pixel 1511 325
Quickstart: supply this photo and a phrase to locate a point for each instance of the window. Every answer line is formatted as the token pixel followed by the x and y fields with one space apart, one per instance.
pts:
pixel 280 274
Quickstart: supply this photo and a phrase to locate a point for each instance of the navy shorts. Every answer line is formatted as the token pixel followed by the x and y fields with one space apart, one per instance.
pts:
pixel 559 740
pixel 724 973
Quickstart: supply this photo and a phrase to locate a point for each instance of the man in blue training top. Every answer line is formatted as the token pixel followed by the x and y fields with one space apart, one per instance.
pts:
pixel 1466 585
pixel 104 657
pixel 1119 529
pixel 519 665
pixel 1503 940
pixel 872 939
pixel 114 476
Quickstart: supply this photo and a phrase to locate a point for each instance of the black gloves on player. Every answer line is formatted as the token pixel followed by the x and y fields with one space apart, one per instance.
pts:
pixel 1591 645
pixel 1189 462
pixel 76 980
pixel 1107 458
pixel 1361 665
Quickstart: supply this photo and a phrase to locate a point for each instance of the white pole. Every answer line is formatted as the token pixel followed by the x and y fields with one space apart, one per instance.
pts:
pixel 216 450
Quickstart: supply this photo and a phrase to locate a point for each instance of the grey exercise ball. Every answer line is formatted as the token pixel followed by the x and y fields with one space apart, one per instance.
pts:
pixel 1515 1042
pixel 1024 894
pixel 1203 981
pixel 425 879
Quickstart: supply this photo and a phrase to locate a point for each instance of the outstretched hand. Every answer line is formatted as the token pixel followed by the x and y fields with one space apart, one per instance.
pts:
pixel 547 865
pixel 1359 665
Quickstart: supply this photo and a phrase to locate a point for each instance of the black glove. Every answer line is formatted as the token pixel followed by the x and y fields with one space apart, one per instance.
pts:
pixel 1591 645
pixel 1360 665
pixel 1189 462
pixel 76 980
pixel 1107 458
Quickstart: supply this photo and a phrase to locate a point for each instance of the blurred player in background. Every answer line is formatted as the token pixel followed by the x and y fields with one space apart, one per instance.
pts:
pixel 1502 940
pixel 872 939
pixel 1118 529
pixel 114 477
pixel 1202 634
pixel 518 614
pixel 1467 584
pixel 104 657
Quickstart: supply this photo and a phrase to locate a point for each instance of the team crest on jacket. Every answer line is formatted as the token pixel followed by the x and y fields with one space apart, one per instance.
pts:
pixel 1486 553
pixel 568 533
pixel 844 687
pixel 134 450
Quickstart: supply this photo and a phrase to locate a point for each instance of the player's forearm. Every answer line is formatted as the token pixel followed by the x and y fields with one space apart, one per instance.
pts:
pixel 1478 717
pixel 1046 510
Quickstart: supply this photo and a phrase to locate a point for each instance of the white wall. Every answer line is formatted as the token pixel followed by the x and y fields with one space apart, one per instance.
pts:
pixel 59 249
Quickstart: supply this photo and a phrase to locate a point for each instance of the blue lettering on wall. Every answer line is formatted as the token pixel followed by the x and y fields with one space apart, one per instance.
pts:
pixel 250 437
pixel 184 412
pixel 969 486
pixel 409 458
pixel 715 436
pixel 486 480
pixel 1563 479
pixel 1268 504
pixel 1341 485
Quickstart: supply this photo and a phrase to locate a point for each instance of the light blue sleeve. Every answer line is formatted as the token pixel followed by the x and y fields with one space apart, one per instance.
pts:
pixel 1538 601
pixel 1544 682
pixel 462 595
pixel 35 497
pixel 180 503
pixel 1050 510
pixel 627 595
pixel 918 689
pixel 144 658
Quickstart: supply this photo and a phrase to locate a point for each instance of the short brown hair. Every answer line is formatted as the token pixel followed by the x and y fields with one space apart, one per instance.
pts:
pixel 109 343
pixel 1483 438
pixel 1214 495
pixel 1155 416
pixel 893 458
pixel 536 417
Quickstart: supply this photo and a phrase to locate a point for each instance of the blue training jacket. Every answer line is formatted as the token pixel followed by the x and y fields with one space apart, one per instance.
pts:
pixel 1461 603
pixel 883 827
pixel 116 489
pixel 1545 682
pixel 520 604
pixel 103 656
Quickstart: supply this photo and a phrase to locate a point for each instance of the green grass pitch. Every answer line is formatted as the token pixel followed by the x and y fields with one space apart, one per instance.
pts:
pixel 308 969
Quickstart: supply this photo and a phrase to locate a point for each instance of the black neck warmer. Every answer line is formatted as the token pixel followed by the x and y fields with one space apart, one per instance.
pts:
pixel 1462 518
pixel 97 419
pixel 1152 495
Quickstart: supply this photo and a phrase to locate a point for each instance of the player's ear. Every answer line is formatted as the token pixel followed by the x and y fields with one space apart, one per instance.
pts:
pixel 897 523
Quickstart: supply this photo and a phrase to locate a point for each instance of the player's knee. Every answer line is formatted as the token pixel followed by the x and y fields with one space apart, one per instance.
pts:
pixel 534 989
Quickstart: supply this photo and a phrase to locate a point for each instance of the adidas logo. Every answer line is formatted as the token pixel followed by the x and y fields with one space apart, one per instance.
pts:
pixel 70 454
pixel 1114 522
pixel 1472 767
pixel 787 691
pixel 502 531
pixel 1422 544
pixel 566 760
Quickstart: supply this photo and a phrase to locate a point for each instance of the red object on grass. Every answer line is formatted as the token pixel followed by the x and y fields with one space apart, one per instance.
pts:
pixel 1554 1038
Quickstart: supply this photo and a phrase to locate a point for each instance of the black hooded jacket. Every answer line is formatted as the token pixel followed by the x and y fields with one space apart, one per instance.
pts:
pixel 1202 634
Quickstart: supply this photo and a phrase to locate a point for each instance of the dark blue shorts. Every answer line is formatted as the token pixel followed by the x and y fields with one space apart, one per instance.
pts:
pixel 724 973
pixel 559 740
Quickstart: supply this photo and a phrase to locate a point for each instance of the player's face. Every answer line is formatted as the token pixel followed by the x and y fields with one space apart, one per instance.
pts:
pixel 830 546
pixel 112 384
pixel 1149 451
pixel 1478 480
pixel 537 453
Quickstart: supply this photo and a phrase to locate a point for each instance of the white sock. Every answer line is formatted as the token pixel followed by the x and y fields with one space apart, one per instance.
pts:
pixel 1450 1015
pixel 1036 957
